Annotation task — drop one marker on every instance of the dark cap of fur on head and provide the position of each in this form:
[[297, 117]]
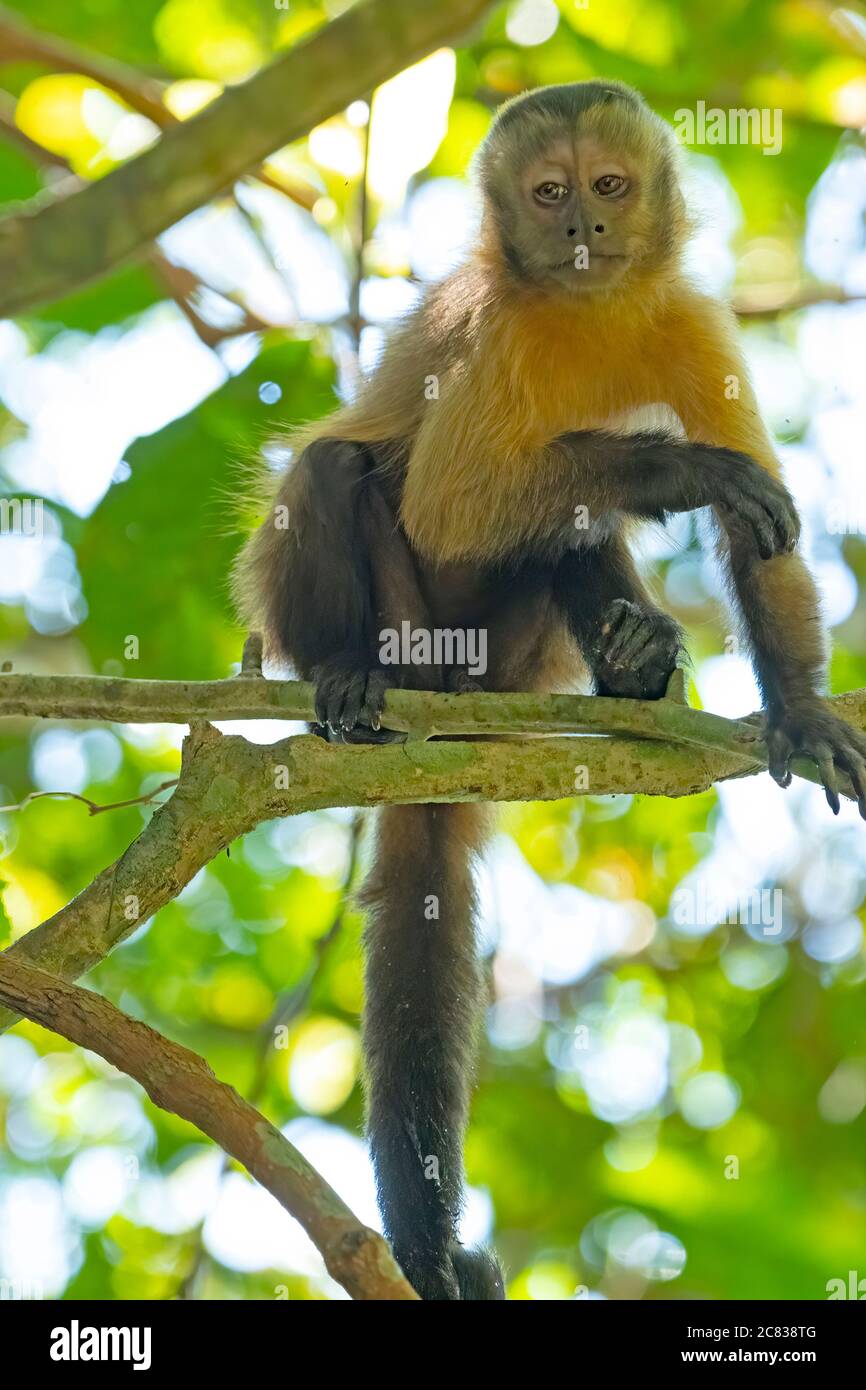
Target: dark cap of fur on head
[[525, 124], [566, 102]]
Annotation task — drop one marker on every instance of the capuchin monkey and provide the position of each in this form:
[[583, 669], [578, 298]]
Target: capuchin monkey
[[485, 479]]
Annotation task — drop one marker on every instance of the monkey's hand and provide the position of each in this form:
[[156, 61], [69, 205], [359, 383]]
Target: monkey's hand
[[635, 652], [812, 731], [350, 697], [753, 505]]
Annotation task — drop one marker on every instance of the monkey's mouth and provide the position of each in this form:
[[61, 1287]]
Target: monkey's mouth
[[597, 256]]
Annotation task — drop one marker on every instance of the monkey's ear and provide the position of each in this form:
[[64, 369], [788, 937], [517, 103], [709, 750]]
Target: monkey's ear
[[671, 183]]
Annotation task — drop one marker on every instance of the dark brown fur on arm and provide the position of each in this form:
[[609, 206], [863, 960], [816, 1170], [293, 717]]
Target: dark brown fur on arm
[[783, 627]]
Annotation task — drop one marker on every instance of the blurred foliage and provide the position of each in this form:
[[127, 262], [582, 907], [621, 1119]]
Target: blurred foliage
[[663, 1110]]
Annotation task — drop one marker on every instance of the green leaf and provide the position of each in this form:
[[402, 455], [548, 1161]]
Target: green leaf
[[156, 555]]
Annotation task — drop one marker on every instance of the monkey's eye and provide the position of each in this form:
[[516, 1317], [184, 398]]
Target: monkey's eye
[[551, 192], [609, 185]]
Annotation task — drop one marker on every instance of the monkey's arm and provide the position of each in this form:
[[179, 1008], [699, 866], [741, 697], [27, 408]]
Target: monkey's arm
[[713, 397], [477, 488]]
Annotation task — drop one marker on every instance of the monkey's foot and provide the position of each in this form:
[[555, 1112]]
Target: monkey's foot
[[349, 703], [635, 653], [812, 731]]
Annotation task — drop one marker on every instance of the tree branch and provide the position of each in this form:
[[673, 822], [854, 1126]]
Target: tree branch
[[182, 284], [21, 43], [227, 785], [418, 713], [181, 1082], [51, 247]]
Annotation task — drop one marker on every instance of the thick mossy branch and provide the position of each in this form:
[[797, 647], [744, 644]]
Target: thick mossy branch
[[181, 1082], [54, 245]]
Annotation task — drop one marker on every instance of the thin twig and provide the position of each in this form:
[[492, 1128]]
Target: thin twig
[[96, 808]]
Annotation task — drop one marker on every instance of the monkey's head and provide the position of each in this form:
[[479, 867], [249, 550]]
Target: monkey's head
[[580, 186]]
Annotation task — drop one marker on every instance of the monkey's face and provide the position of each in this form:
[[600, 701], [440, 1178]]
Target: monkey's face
[[580, 185], [574, 221]]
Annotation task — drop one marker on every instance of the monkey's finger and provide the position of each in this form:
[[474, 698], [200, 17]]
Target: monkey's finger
[[764, 503], [616, 612], [823, 755], [631, 637], [778, 505], [784, 532], [851, 760], [353, 700], [615, 615], [783, 516], [324, 702], [374, 699], [750, 514], [765, 533], [857, 772], [779, 749], [651, 646]]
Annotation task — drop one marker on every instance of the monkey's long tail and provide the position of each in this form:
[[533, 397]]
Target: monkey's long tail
[[423, 999]]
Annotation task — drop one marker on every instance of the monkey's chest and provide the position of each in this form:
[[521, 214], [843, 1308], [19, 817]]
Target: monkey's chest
[[583, 380]]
